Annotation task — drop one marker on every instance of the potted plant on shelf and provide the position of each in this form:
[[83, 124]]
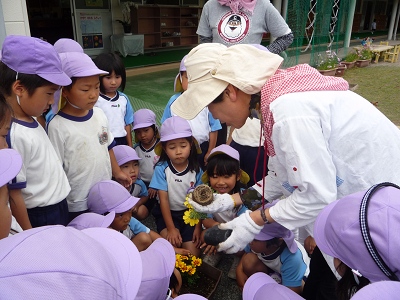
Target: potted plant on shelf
[[364, 57], [350, 60], [126, 16], [327, 66]]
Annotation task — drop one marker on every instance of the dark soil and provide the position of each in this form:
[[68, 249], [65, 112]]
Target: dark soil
[[204, 286]]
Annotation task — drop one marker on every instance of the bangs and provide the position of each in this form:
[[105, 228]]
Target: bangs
[[221, 165]]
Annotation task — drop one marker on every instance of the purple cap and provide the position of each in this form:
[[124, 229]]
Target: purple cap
[[190, 297], [124, 153], [159, 262], [92, 220], [276, 230], [178, 79], [382, 290], [337, 231], [76, 64], [143, 118], [260, 284], [108, 195], [175, 128], [67, 45], [29, 55], [57, 262], [10, 165]]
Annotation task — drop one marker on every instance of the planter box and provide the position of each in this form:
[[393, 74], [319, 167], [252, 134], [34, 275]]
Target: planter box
[[213, 274], [330, 72], [363, 63], [349, 65], [340, 70]]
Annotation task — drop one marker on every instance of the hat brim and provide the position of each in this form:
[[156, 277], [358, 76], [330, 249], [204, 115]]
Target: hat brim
[[127, 159], [11, 163], [158, 148], [60, 79], [198, 96], [124, 252], [143, 125], [126, 205], [254, 283], [178, 84], [90, 72], [83, 222], [320, 229]]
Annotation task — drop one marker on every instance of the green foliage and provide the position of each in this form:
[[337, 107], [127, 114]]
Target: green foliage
[[350, 57], [364, 54], [328, 62]]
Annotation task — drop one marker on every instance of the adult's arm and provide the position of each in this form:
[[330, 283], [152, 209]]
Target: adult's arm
[[281, 43]]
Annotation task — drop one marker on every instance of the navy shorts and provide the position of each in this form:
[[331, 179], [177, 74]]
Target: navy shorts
[[56, 214], [185, 230]]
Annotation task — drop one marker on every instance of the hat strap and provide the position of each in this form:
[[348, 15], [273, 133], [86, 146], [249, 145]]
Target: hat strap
[[365, 230]]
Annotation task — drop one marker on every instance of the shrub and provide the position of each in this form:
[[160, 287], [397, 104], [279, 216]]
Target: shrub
[[350, 57]]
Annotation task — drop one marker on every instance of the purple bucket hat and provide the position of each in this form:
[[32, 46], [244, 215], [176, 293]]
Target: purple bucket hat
[[276, 230], [49, 260], [108, 195], [382, 290], [178, 79], [159, 259], [175, 128], [190, 297], [92, 220], [260, 284], [29, 55], [76, 64], [10, 165], [143, 118], [338, 233], [124, 153], [67, 45]]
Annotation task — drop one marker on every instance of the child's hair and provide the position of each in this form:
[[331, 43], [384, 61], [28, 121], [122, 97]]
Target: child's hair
[[6, 111], [347, 286], [192, 159], [221, 165], [30, 81], [111, 62]]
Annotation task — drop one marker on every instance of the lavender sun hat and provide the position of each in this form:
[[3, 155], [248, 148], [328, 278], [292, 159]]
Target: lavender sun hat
[[346, 226], [259, 285], [190, 297], [67, 45], [108, 195], [159, 262], [124, 154], [10, 165], [29, 55], [175, 128], [143, 118], [92, 220], [77, 64], [57, 262], [178, 79], [381, 290]]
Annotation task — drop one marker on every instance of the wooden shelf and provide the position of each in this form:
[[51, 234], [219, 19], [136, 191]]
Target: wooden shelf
[[154, 21]]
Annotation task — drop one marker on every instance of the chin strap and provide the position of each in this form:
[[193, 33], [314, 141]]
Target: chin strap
[[74, 106]]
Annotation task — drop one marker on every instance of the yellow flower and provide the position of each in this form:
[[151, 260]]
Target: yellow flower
[[186, 203], [187, 218], [196, 261], [192, 271]]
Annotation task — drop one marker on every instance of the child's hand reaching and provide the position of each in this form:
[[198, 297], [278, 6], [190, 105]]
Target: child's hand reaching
[[123, 179], [181, 251], [174, 237], [197, 236], [152, 193], [208, 249]]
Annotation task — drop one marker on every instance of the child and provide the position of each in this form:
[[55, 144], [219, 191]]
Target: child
[[147, 137], [10, 165], [274, 249], [80, 133], [114, 103], [30, 74], [224, 175], [204, 126], [128, 161], [107, 196], [176, 172]]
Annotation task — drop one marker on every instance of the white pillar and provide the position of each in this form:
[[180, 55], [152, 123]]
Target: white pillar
[[284, 8], [350, 17], [392, 19], [397, 23]]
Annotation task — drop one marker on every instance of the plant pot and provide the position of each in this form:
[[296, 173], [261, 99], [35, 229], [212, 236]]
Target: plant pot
[[330, 72], [206, 284], [361, 63], [127, 29], [340, 70], [349, 64]]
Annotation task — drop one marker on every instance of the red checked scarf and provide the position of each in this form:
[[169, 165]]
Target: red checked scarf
[[235, 5], [300, 78]]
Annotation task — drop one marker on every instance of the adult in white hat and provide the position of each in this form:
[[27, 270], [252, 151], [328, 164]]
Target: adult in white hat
[[323, 141]]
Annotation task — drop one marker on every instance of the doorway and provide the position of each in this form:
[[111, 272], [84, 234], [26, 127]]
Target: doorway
[[50, 20]]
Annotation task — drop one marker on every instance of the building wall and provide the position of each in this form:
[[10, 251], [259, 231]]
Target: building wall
[[15, 18]]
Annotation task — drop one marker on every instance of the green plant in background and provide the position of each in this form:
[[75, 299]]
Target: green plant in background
[[364, 54], [328, 62], [350, 57]]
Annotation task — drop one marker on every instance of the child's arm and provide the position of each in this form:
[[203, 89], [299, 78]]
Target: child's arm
[[196, 235], [5, 214], [120, 176], [173, 234], [18, 209], [128, 129]]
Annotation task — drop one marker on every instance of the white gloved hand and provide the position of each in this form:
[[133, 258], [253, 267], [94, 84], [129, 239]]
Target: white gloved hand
[[244, 230], [221, 202]]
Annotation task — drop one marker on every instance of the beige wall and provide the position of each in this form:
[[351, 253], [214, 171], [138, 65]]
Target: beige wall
[[15, 17]]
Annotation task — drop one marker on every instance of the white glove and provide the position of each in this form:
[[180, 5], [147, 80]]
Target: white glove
[[221, 202], [244, 230]]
